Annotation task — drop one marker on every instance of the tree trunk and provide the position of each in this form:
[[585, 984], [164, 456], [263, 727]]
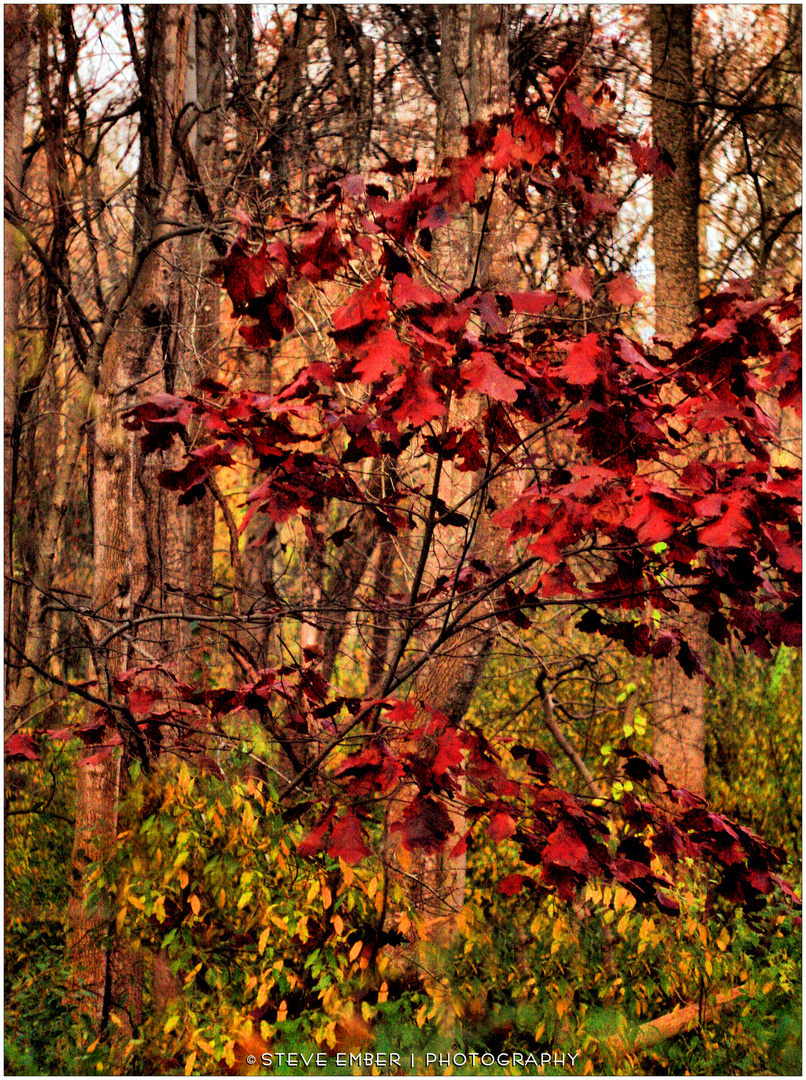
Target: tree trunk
[[474, 68], [43, 528], [352, 54], [17, 30], [679, 712], [139, 358]]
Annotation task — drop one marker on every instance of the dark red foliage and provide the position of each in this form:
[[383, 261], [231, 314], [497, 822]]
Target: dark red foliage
[[601, 529]]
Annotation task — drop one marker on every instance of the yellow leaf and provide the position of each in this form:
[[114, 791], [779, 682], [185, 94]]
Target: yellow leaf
[[191, 973], [420, 1017], [264, 937], [191, 1061], [404, 925], [372, 888], [383, 993], [171, 1023], [313, 892], [262, 995], [623, 923], [302, 928], [356, 949], [338, 924], [282, 1012], [346, 873], [327, 897], [195, 905], [703, 934], [251, 982]]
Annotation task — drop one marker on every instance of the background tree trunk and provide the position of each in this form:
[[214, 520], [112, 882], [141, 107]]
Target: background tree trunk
[[137, 548], [17, 32], [679, 702], [474, 68]]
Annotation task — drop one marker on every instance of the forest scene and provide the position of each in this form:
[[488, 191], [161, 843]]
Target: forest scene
[[402, 506]]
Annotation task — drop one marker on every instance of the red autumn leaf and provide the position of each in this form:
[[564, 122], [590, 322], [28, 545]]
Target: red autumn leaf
[[312, 843], [623, 290], [630, 355], [653, 517], [468, 452], [579, 280], [274, 317], [61, 733], [501, 826], [731, 529], [242, 275], [380, 355], [324, 252], [347, 840], [564, 847], [142, 698], [402, 712], [502, 150], [449, 753], [531, 303], [421, 402], [407, 291], [722, 331], [788, 555], [559, 582], [21, 745], [650, 162], [460, 847], [580, 111], [426, 826], [580, 365], [513, 884], [483, 374], [596, 204], [369, 304]]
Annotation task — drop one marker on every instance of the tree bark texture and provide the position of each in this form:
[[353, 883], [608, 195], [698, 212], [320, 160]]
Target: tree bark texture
[[679, 710], [675, 203], [138, 548], [17, 33]]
